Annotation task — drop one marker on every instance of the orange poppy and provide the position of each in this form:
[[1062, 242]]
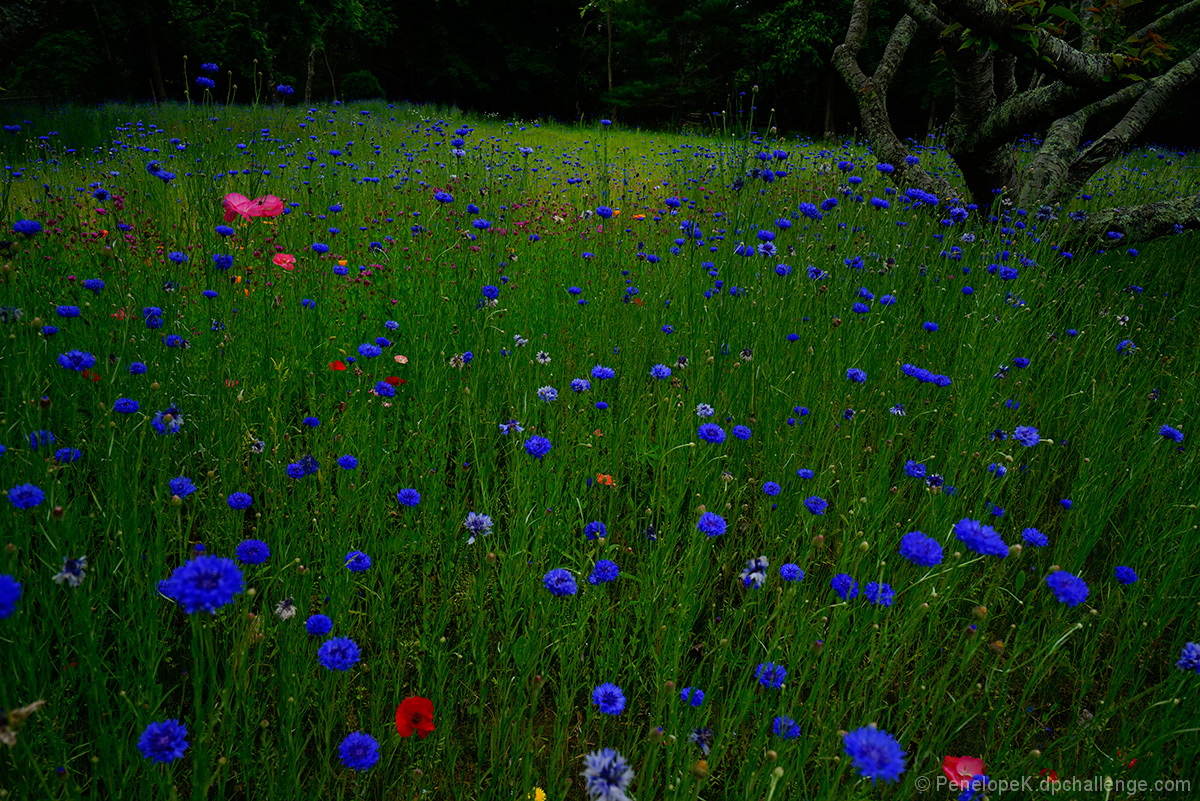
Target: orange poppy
[[606, 480]]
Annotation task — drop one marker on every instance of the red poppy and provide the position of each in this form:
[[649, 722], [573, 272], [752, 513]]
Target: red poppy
[[414, 714], [285, 260], [959, 770], [88, 374], [338, 365], [1052, 775], [395, 381]]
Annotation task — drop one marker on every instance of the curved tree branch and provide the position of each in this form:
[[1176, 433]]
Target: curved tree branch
[[1045, 175], [1167, 22], [1138, 223], [1056, 57], [872, 97], [1109, 146]]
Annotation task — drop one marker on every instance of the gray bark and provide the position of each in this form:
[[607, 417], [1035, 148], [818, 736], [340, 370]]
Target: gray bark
[[1138, 223], [871, 94]]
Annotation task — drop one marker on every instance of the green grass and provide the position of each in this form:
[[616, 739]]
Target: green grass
[[975, 656]]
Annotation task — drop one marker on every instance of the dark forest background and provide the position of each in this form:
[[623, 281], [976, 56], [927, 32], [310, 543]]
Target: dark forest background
[[652, 63]]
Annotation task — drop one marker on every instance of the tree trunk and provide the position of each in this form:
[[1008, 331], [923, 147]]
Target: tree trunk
[[829, 85], [608, 26], [312, 67], [156, 78]]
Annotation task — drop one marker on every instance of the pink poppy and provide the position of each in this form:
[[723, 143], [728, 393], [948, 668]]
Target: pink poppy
[[239, 205], [285, 260], [959, 770]]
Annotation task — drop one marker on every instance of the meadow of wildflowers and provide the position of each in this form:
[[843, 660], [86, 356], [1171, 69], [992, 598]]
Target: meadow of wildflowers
[[609, 464]]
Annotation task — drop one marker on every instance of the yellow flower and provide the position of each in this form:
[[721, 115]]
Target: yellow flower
[[537, 794]]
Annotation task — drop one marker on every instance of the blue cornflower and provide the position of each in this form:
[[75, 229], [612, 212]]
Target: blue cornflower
[[771, 488], [860, 308], [1026, 435], [358, 562], [660, 371], [580, 385], [712, 433], [548, 394], [491, 292], [240, 500], [605, 571], [913, 469], [181, 486], [205, 584], [10, 593], [606, 774], [209, 293], [163, 741], [318, 625], [1126, 575], [879, 594], [176, 257], [167, 421], [311, 422], [770, 675], [600, 372], [1189, 657], [560, 582], [790, 572], [703, 410], [1065, 503], [1171, 433], [1125, 346], [741, 432], [384, 389], [347, 462], [67, 455], [41, 439], [876, 754], [479, 526], [359, 751], [408, 497], [27, 227], [609, 698], [338, 653], [921, 550], [845, 586], [856, 375], [711, 524], [785, 727], [137, 368], [1035, 538], [537, 447], [76, 360], [25, 496], [816, 504], [1067, 588], [594, 530], [693, 696], [980, 538], [252, 552], [805, 473], [93, 284], [67, 312]]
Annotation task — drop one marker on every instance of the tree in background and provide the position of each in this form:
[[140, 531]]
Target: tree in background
[[1082, 66]]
